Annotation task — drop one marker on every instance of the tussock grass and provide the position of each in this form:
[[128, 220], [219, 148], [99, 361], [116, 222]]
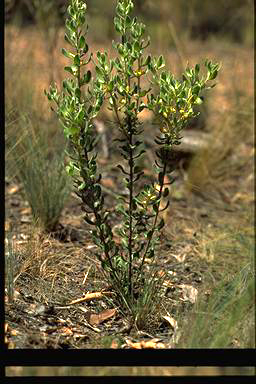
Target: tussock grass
[[224, 315], [39, 168]]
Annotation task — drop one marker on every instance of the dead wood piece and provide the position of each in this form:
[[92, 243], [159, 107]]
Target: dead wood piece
[[91, 296], [193, 142]]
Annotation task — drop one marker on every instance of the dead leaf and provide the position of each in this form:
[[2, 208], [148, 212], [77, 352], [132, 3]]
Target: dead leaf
[[6, 327], [80, 336], [16, 295], [150, 344], [61, 321], [14, 332], [114, 344], [172, 273], [108, 182], [7, 226], [161, 273], [153, 344], [243, 196], [189, 293], [183, 254], [168, 284], [173, 323], [95, 319], [87, 316], [35, 309], [134, 345], [148, 260], [25, 211], [13, 189], [25, 219], [91, 246], [66, 331]]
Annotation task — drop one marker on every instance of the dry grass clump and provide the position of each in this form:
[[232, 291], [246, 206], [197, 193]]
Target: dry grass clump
[[229, 155], [43, 264]]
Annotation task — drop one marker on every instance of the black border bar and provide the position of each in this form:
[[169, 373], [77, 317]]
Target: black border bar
[[115, 357]]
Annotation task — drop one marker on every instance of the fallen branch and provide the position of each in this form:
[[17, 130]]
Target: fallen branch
[[91, 296]]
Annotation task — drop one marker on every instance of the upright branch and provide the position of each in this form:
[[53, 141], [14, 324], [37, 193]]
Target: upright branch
[[76, 110]]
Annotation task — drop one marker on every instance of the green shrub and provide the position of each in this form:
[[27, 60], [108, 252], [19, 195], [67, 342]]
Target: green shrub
[[120, 82]]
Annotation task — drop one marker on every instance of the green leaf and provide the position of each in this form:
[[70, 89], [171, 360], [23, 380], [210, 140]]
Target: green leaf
[[155, 208], [73, 130], [68, 39], [117, 24], [111, 86], [197, 69], [73, 26], [77, 60], [213, 74], [81, 43], [128, 21], [196, 89], [99, 72], [136, 46], [150, 253], [86, 48], [136, 255], [198, 101], [160, 62], [78, 93], [147, 61], [120, 49], [88, 220], [122, 169], [69, 69], [137, 169], [165, 192], [82, 20], [143, 93], [149, 234], [160, 225], [71, 10], [70, 55], [99, 56], [87, 77], [81, 186], [66, 85]]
